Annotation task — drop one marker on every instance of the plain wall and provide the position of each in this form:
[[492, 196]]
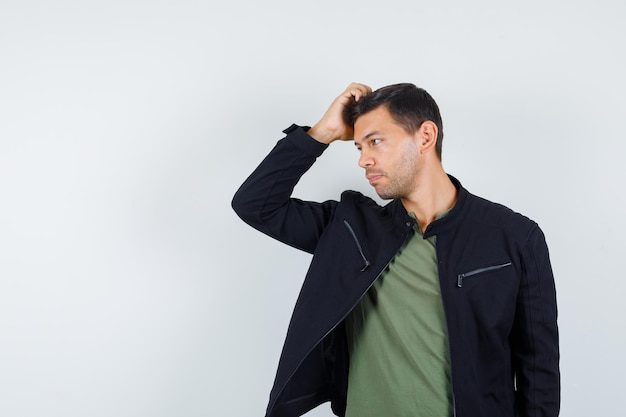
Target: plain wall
[[128, 286]]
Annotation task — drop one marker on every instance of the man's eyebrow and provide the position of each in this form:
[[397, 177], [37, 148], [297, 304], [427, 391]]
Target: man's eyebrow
[[369, 135]]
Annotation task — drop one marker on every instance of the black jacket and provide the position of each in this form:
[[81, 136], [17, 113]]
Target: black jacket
[[496, 283]]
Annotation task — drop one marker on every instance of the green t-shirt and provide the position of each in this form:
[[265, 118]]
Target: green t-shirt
[[399, 360]]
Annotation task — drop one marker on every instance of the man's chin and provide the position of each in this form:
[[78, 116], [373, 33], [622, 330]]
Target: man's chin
[[385, 195]]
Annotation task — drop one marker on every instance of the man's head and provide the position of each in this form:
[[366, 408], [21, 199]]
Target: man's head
[[397, 130], [408, 105]]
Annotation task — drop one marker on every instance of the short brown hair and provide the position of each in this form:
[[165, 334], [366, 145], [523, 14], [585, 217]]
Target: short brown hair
[[410, 106]]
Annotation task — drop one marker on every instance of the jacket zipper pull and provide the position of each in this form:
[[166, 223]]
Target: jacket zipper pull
[[459, 280], [367, 264]]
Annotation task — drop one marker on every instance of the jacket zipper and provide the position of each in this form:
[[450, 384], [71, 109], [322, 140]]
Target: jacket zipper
[[358, 245], [460, 277], [351, 307]]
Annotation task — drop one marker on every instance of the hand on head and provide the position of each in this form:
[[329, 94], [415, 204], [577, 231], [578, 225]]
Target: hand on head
[[332, 126]]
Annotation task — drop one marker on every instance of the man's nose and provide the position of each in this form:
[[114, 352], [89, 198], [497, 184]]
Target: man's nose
[[365, 160]]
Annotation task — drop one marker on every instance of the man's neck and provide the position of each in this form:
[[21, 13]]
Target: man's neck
[[434, 194]]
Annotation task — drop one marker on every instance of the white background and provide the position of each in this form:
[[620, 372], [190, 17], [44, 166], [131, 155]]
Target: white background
[[128, 287]]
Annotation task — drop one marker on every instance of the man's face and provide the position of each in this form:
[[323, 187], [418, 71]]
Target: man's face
[[389, 154]]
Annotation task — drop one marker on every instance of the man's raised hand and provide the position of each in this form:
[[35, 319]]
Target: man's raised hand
[[332, 126]]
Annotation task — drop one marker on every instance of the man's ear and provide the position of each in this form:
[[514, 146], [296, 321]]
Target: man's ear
[[426, 136]]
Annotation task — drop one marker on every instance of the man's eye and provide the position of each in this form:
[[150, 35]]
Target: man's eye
[[375, 141]]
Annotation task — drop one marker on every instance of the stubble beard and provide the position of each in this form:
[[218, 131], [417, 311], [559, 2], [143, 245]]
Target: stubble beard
[[401, 181]]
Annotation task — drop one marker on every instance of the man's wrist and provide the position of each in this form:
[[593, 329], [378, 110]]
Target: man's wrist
[[322, 135], [299, 137]]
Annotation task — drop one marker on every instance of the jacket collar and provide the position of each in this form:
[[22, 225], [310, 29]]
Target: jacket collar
[[401, 216]]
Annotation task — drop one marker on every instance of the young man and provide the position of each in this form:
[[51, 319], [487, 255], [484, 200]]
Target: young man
[[438, 304]]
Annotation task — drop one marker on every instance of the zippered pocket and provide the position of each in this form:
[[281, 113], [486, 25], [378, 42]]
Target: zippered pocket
[[461, 277], [358, 245]]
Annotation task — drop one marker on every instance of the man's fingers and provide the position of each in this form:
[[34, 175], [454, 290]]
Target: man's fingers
[[333, 125], [358, 90]]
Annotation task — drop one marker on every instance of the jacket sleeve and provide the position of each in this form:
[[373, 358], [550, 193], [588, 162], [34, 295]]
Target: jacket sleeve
[[535, 340], [264, 199]]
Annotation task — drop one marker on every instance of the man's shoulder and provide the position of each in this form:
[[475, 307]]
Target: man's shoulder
[[355, 203], [360, 201], [350, 196], [499, 215]]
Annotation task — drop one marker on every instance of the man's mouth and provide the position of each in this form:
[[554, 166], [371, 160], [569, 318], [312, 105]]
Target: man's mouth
[[372, 178]]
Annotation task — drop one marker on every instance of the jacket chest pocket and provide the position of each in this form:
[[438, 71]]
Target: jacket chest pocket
[[357, 245], [489, 294], [476, 273]]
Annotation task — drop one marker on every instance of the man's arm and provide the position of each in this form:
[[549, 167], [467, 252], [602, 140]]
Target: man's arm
[[264, 200], [535, 340]]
